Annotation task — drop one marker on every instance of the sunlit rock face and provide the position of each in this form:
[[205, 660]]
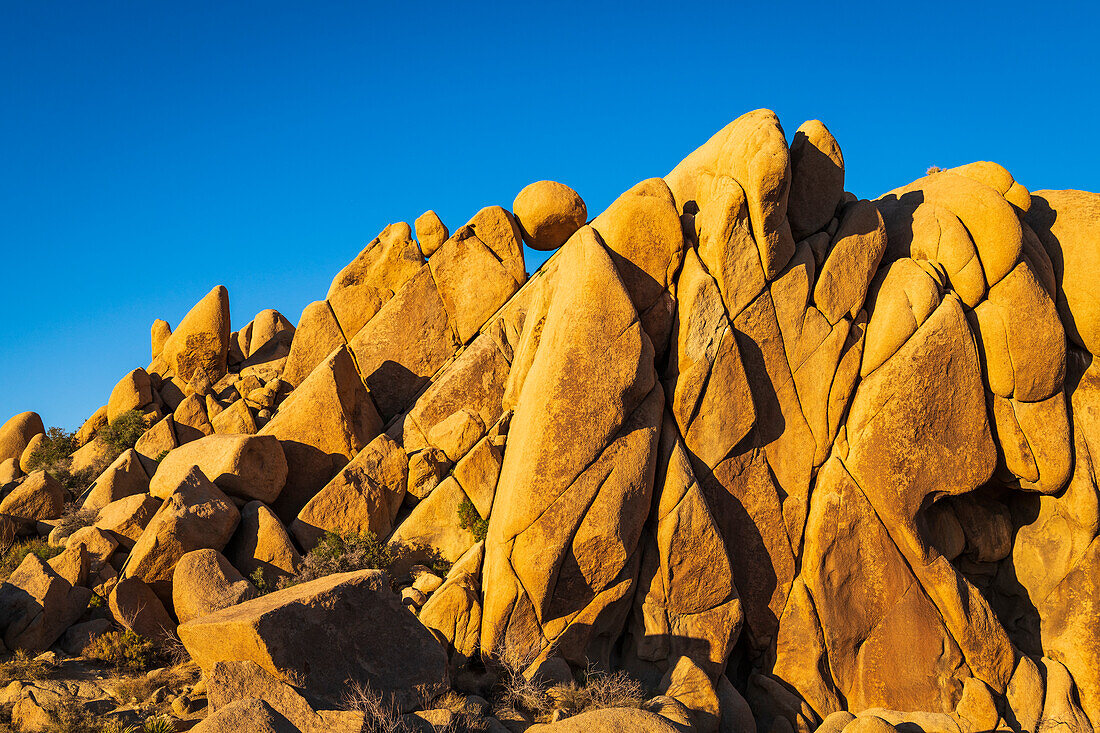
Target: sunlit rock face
[[790, 459]]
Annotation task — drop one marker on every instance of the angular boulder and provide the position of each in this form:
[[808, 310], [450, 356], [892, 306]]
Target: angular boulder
[[245, 466], [293, 632]]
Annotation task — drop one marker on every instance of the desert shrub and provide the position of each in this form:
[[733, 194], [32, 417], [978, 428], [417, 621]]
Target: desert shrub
[[124, 650], [342, 552], [159, 724], [470, 519], [57, 447], [22, 666], [123, 432], [76, 482], [74, 518], [161, 456], [933, 169], [17, 553], [539, 701]]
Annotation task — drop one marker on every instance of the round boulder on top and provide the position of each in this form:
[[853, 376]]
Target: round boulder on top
[[548, 213]]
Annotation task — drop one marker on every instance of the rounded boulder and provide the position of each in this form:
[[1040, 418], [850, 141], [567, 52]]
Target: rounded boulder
[[548, 214]]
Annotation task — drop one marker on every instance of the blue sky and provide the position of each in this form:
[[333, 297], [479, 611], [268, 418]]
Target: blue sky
[[151, 150]]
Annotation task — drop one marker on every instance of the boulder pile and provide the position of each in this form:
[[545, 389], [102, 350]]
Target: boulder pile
[[787, 459]]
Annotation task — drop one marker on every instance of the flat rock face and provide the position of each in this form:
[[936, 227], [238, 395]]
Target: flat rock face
[[315, 630], [798, 460]]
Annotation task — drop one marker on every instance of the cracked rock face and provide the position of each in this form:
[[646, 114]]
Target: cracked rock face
[[795, 460]]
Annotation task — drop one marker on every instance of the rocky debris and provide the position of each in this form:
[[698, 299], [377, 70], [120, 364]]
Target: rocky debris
[[793, 460]]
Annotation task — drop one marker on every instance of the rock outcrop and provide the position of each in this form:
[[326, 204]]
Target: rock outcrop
[[791, 459]]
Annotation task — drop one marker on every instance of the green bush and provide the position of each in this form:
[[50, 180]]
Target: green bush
[[123, 650], [14, 556], [123, 432], [58, 446], [342, 552], [470, 519]]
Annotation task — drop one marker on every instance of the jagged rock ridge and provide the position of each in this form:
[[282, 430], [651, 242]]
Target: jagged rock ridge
[[797, 460]]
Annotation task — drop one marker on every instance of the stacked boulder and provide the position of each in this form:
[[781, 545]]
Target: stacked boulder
[[794, 460]]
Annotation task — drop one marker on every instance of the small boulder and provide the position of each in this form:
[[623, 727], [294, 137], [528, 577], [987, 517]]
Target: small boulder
[[364, 496], [262, 543], [201, 341], [134, 605], [245, 466], [17, 432], [548, 213], [90, 427], [431, 232], [39, 497], [252, 715], [37, 605], [132, 392], [32, 445], [125, 477], [158, 335], [155, 443], [204, 582], [125, 519]]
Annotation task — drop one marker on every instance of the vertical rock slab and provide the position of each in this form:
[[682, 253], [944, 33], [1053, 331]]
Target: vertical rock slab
[[643, 235], [200, 344], [817, 179], [577, 476], [687, 600], [317, 335]]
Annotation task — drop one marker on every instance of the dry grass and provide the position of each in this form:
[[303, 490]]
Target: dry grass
[[380, 712], [538, 700], [23, 667], [139, 688]]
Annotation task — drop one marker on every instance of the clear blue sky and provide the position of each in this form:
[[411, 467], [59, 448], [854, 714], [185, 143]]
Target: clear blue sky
[[151, 150]]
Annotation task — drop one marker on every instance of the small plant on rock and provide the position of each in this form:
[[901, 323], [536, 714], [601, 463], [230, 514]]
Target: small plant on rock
[[470, 519], [124, 650], [58, 445], [70, 716], [380, 712], [342, 552], [17, 553], [123, 432]]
